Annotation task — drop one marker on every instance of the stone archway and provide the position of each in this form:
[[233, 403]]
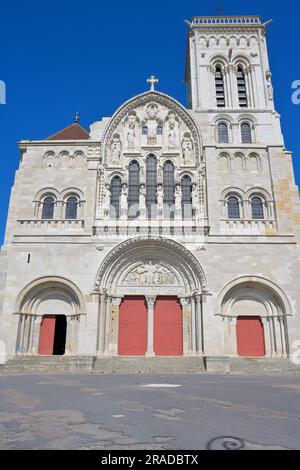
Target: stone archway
[[256, 305], [150, 268], [49, 309]]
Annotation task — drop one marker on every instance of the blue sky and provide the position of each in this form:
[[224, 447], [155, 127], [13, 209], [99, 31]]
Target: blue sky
[[61, 57]]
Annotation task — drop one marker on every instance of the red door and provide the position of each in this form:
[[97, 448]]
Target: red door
[[250, 336], [133, 327], [46, 342], [167, 327]]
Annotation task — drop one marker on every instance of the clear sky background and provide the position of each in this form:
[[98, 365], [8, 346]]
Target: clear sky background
[[64, 56]]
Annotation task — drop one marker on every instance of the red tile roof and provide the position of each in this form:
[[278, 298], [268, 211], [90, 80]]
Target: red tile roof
[[72, 132]]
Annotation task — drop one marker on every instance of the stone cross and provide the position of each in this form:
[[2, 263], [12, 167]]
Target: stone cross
[[152, 80]]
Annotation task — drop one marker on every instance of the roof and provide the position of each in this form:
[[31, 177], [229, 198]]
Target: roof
[[72, 132]]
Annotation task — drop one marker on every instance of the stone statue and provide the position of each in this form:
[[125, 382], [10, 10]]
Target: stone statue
[[173, 132], [187, 150], [160, 198], [269, 85], [142, 201], [116, 148], [106, 200], [195, 201], [131, 131], [124, 202], [178, 197]]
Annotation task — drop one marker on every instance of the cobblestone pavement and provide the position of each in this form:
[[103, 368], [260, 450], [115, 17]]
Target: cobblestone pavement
[[149, 412]]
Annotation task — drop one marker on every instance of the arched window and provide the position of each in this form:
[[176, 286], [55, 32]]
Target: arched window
[[220, 92], [48, 208], [257, 208], [71, 208], [115, 189], [151, 182], [246, 133], [233, 208], [159, 130], [169, 186], [133, 189], [241, 85], [223, 133], [145, 130], [186, 199]]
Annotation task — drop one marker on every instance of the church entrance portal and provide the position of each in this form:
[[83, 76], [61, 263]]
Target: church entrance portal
[[53, 335], [167, 329]]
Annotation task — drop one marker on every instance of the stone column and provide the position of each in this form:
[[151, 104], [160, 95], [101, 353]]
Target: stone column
[[268, 345], [186, 326], [150, 334], [271, 336], [30, 344], [199, 323], [22, 326], [101, 323], [114, 326], [107, 325], [68, 336], [193, 332]]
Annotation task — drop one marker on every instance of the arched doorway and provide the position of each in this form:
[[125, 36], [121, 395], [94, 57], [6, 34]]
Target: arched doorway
[[49, 310], [151, 307], [53, 333], [255, 313]]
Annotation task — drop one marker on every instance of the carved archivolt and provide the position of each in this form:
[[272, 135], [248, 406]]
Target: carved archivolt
[[146, 263], [149, 119]]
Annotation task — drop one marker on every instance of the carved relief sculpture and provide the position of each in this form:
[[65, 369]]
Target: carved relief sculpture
[[173, 132], [178, 196], [187, 151], [124, 202], [142, 201], [150, 275], [195, 201], [116, 147], [131, 131], [106, 200], [160, 199]]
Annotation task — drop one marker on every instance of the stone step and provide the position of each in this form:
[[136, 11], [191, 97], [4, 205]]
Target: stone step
[[248, 365], [155, 365], [32, 364]]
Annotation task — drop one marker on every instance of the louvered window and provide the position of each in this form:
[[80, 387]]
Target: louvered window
[[242, 91], [220, 92]]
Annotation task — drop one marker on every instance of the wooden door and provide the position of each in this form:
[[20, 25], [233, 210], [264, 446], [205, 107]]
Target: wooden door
[[250, 336], [132, 327], [168, 327], [47, 331]]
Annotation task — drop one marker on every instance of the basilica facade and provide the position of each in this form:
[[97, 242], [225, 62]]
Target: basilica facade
[[164, 230]]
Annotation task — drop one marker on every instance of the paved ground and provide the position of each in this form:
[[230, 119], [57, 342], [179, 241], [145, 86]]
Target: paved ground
[[124, 412]]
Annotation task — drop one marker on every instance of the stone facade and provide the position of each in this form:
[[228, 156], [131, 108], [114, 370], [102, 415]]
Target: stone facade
[[222, 266]]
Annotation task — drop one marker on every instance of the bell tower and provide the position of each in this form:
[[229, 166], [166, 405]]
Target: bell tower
[[227, 65]]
